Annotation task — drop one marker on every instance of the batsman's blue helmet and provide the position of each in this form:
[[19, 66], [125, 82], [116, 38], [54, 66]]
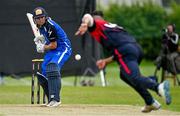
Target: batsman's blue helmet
[[39, 12]]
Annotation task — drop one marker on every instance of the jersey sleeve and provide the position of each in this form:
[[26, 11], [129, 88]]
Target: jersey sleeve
[[52, 34]]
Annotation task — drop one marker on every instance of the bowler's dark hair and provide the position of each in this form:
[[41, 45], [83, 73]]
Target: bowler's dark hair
[[98, 13]]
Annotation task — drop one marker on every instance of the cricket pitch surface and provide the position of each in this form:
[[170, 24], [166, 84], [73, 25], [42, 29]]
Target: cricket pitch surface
[[79, 110]]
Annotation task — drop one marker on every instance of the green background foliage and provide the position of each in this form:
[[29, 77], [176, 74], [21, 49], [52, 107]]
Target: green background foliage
[[145, 22], [174, 15]]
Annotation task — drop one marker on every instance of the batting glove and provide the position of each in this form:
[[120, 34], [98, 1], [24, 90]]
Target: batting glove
[[39, 39], [40, 48]]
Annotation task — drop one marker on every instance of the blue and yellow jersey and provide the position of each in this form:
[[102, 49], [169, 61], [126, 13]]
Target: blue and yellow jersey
[[53, 32]]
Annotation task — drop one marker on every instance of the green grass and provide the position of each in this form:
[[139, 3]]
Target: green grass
[[15, 91]]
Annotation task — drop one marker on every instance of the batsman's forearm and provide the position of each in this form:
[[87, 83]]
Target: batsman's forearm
[[51, 46]]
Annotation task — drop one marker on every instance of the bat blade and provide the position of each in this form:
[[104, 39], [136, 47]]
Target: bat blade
[[33, 25]]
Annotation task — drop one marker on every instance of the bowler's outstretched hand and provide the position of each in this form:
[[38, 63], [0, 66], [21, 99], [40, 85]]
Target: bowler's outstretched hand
[[82, 29], [101, 64]]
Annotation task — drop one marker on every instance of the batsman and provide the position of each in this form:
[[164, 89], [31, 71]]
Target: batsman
[[56, 46]]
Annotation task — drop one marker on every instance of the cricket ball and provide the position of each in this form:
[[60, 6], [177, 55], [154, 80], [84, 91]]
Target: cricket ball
[[78, 57]]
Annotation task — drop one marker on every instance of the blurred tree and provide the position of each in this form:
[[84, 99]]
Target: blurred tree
[[173, 16], [144, 21]]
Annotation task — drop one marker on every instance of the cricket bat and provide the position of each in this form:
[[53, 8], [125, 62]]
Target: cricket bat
[[33, 25]]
